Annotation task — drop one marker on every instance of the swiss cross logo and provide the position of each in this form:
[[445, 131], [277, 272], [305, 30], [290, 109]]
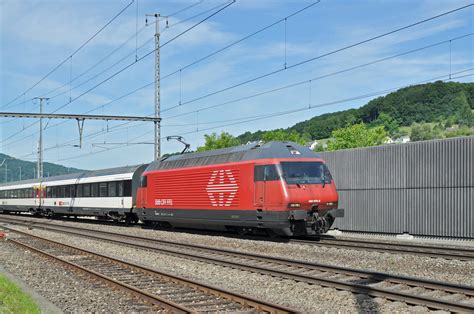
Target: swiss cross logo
[[222, 187]]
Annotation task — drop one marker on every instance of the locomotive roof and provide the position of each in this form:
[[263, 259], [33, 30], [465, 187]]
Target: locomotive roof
[[274, 149], [76, 175]]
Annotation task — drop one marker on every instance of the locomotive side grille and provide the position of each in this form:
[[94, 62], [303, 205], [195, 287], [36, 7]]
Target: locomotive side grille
[[205, 188]]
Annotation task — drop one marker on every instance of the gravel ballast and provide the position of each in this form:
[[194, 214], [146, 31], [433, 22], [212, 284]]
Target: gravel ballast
[[454, 271], [70, 291], [308, 298]]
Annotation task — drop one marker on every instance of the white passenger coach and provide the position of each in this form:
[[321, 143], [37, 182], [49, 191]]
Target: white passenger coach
[[103, 193]]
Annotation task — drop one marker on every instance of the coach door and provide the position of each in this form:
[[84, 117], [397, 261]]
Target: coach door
[[39, 194], [120, 193], [264, 179]]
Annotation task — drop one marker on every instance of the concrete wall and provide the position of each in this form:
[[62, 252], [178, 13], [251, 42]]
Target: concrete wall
[[423, 188]]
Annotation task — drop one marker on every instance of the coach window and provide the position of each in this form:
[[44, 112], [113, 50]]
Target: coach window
[[120, 188], [127, 188], [87, 190], [79, 190], [72, 189], [67, 191], [112, 189], [54, 192], [103, 189], [94, 189], [48, 192]]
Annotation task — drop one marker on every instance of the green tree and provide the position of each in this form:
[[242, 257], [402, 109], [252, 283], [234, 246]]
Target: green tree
[[463, 131], [281, 135], [319, 148], [390, 124], [357, 135], [214, 141], [423, 132], [450, 121]]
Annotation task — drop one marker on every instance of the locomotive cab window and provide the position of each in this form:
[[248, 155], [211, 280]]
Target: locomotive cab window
[[143, 181], [266, 173], [313, 172]]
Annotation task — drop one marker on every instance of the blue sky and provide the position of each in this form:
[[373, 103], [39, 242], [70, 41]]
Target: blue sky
[[37, 35]]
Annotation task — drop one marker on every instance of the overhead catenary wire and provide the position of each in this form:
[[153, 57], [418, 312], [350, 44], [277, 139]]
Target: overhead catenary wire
[[198, 60], [248, 119], [317, 57], [137, 32], [304, 108], [72, 54], [269, 115], [323, 76], [128, 66], [143, 57], [299, 63], [297, 83], [458, 9]]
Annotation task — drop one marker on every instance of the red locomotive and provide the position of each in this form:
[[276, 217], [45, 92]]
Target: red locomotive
[[279, 188]]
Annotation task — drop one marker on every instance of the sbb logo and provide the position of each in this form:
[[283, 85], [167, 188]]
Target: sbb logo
[[222, 188]]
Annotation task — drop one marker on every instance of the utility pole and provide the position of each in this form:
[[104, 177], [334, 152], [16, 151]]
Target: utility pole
[[40, 142], [20, 172], [157, 85], [6, 172]]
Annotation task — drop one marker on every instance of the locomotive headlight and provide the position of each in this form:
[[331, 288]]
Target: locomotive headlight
[[330, 203], [294, 205]]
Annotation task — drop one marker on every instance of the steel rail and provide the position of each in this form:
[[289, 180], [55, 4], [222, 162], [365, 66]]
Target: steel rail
[[353, 287], [259, 305], [458, 253], [387, 247]]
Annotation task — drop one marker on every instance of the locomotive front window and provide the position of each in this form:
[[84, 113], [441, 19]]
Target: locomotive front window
[[305, 172]]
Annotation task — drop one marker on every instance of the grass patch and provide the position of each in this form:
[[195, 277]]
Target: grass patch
[[14, 300]]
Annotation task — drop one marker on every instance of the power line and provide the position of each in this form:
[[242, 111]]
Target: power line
[[316, 58], [110, 54], [115, 50], [192, 5], [196, 61], [305, 108], [447, 77], [294, 84], [322, 76], [308, 60], [128, 66], [143, 57], [70, 56]]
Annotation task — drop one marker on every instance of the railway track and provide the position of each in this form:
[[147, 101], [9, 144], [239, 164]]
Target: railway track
[[395, 248], [416, 291], [160, 290]]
